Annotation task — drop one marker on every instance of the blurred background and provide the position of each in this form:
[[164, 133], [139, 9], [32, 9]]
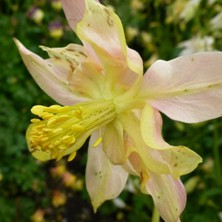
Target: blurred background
[[55, 191]]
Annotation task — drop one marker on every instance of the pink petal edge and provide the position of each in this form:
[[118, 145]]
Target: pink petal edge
[[188, 88]]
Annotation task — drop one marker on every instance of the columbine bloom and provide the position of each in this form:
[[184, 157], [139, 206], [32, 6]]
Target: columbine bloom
[[190, 10], [216, 22], [197, 44], [104, 94]]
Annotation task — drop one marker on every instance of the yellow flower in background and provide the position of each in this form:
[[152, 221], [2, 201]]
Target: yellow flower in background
[[136, 5], [58, 171], [69, 179], [1, 176], [56, 4], [58, 198], [103, 93], [38, 216]]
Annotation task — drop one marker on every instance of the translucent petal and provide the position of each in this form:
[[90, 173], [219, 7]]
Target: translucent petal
[[140, 155], [102, 29], [169, 196], [175, 160], [113, 142], [68, 57], [102, 34], [84, 76], [48, 77], [182, 159], [151, 128], [104, 181]]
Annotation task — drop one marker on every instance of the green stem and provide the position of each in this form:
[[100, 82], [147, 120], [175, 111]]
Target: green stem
[[216, 151], [156, 215]]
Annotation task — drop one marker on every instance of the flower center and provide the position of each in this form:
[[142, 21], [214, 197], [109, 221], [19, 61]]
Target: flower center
[[62, 130]]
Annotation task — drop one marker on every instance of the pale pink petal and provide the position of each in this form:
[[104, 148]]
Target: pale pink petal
[[74, 11], [169, 196], [83, 75], [96, 24], [68, 57], [102, 29], [104, 181], [48, 77], [188, 88], [181, 159]]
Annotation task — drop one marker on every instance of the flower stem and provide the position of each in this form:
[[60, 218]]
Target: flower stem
[[155, 216], [217, 161]]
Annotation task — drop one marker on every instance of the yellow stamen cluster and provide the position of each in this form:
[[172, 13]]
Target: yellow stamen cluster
[[61, 130]]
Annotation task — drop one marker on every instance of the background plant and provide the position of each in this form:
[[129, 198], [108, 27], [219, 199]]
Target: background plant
[[34, 191]]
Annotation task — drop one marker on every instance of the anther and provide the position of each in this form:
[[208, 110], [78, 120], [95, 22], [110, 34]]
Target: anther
[[72, 156], [60, 155], [53, 108], [38, 109], [68, 139], [98, 141], [34, 120]]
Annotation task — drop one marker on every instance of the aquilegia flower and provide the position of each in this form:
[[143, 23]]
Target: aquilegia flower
[[103, 93]]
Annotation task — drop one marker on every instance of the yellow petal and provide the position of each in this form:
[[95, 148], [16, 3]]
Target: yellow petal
[[102, 29], [174, 160], [182, 160], [102, 34], [113, 142], [151, 127]]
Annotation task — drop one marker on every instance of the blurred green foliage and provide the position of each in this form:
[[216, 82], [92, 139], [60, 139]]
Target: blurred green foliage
[[33, 191]]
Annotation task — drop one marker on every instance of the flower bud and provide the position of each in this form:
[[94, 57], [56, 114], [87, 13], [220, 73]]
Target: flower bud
[[55, 30], [35, 14], [56, 4]]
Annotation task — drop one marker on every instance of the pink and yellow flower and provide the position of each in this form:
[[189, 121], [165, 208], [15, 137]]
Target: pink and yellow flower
[[103, 93]]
